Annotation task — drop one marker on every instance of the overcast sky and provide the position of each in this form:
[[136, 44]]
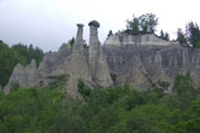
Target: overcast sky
[[49, 23]]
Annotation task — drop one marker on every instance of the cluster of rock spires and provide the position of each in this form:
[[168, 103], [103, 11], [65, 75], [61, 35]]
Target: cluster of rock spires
[[77, 62], [142, 61]]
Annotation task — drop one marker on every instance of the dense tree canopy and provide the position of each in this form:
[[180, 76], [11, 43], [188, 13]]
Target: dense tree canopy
[[10, 56], [113, 110], [191, 37], [143, 24], [164, 36], [116, 109], [193, 34], [8, 59], [181, 37]]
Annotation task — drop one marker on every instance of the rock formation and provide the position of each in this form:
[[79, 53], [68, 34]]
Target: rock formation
[[26, 76], [77, 62], [142, 61], [148, 39], [146, 65], [76, 66], [97, 59]]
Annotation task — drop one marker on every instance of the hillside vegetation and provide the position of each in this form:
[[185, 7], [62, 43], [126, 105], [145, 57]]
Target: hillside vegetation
[[116, 109], [10, 56], [113, 110]]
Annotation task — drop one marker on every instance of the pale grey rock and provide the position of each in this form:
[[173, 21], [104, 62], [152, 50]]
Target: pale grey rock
[[52, 60], [142, 61], [31, 73], [17, 75], [26, 76], [147, 39], [76, 66], [144, 65], [79, 38], [97, 60]]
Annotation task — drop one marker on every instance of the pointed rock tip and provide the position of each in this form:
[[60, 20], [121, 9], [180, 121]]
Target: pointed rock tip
[[94, 23], [19, 65]]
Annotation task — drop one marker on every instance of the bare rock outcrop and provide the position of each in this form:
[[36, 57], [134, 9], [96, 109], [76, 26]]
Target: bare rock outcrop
[[97, 59], [76, 66], [77, 62], [147, 39], [147, 65], [142, 61], [25, 76]]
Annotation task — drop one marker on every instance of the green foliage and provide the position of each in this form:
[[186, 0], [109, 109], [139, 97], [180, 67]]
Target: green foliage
[[28, 110], [113, 76], [64, 123], [164, 36], [164, 84], [85, 46], [63, 46], [97, 100], [144, 24], [193, 34], [15, 86], [184, 90], [70, 43], [1, 92], [58, 81], [183, 84], [181, 37], [110, 33], [147, 119], [133, 27], [114, 94], [9, 57], [29, 53], [116, 109], [83, 89]]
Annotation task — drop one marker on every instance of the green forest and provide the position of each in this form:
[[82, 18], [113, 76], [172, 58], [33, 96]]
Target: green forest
[[119, 109], [116, 109], [19, 53]]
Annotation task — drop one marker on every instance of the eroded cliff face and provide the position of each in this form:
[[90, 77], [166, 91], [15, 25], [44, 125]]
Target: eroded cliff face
[[147, 65], [77, 62], [147, 39], [142, 61], [26, 76]]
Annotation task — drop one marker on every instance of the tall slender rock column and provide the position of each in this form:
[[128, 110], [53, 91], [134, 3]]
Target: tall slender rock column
[[97, 61], [93, 47], [79, 37]]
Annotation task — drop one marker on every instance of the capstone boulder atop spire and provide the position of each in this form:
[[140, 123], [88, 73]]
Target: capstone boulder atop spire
[[80, 25], [94, 23]]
